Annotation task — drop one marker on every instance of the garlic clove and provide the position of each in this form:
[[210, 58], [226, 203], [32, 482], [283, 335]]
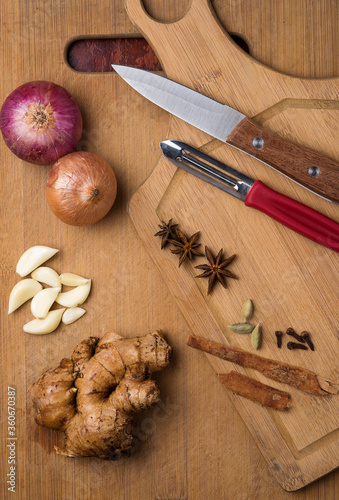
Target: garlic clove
[[47, 325], [42, 302], [74, 297], [21, 292], [33, 258], [48, 276], [72, 314], [71, 279]]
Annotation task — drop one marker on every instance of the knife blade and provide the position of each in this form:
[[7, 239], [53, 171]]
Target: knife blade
[[291, 213], [308, 168]]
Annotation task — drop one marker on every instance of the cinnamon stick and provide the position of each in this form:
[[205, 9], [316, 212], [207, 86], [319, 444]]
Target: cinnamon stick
[[256, 391], [301, 378]]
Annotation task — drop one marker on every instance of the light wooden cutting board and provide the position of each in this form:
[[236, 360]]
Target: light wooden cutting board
[[195, 446], [292, 281]]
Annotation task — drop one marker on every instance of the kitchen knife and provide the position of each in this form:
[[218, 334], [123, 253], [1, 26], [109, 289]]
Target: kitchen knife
[[306, 167], [302, 219]]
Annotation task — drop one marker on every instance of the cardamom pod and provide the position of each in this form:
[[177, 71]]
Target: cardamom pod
[[241, 327], [247, 309], [256, 337]]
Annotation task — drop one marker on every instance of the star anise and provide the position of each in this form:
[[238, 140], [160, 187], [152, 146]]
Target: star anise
[[186, 247], [168, 231], [215, 270]]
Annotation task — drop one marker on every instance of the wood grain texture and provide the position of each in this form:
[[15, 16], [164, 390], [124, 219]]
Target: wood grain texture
[[277, 268], [288, 158], [194, 445]]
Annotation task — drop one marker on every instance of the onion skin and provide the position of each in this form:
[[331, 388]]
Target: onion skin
[[40, 122], [81, 188]]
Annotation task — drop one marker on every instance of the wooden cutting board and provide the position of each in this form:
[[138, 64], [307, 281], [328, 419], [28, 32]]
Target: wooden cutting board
[[193, 445], [292, 281]]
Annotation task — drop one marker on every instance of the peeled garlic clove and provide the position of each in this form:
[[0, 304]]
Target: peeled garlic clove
[[47, 325], [33, 258], [74, 297], [70, 279], [48, 276], [21, 292], [72, 314], [42, 302]]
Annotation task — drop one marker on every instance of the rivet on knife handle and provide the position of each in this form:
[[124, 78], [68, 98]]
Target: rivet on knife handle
[[303, 165]]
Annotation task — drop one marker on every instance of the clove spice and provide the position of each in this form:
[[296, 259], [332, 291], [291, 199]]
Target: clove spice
[[307, 338], [279, 335], [291, 332], [294, 345]]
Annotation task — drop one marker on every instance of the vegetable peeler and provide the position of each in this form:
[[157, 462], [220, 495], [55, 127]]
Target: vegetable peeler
[[291, 213]]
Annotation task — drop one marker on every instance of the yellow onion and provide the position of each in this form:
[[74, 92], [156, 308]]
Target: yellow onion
[[81, 188]]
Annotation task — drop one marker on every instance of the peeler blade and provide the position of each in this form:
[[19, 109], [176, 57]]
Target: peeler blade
[[207, 168]]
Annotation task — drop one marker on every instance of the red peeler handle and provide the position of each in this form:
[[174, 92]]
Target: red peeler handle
[[302, 219]]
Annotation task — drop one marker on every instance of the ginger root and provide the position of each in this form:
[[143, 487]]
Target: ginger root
[[92, 396]]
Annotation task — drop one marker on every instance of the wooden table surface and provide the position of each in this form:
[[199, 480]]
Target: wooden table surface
[[196, 445]]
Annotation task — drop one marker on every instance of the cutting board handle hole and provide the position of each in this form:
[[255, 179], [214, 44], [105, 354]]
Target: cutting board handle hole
[[239, 40], [95, 55]]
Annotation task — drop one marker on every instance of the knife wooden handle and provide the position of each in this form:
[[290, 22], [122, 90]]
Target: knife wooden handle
[[305, 166], [295, 215]]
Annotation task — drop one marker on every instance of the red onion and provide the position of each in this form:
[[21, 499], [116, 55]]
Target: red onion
[[81, 188], [40, 122]]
